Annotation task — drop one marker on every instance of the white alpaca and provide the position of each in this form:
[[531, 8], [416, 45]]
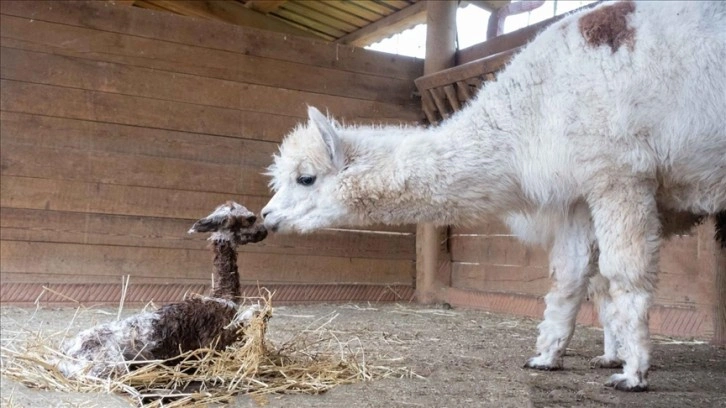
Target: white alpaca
[[605, 133]]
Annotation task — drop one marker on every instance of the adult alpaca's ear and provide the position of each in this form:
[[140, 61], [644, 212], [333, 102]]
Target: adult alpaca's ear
[[329, 135]]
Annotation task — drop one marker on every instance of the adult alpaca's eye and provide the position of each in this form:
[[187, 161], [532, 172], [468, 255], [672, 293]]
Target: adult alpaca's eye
[[306, 180]]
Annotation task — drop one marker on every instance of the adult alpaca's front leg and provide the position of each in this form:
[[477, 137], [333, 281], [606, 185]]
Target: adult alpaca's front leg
[[628, 234], [570, 266]]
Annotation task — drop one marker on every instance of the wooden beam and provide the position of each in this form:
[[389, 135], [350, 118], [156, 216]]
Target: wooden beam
[[433, 262], [227, 11], [264, 6], [387, 26]]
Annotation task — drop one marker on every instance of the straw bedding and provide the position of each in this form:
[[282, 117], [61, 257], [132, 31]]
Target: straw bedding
[[313, 361]]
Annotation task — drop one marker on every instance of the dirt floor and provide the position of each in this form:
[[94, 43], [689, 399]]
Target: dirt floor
[[465, 358]]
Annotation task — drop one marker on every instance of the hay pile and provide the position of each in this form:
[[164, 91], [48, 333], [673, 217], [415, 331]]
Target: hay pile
[[312, 362]]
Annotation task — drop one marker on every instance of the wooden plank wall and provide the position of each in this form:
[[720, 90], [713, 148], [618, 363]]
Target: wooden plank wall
[[121, 126], [494, 271]]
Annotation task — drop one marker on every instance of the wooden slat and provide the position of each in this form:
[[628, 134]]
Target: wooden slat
[[496, 250], [29, 258], [168, 27], [141, 291], [90, 278], [493, 227], [130, 170], [497, 278], [172, 58], [463, 90], [40, 99], [35, 67], [439, 97], [155, 232], [452, 97], [500, 264], [78, 196], [429, 107], [468, 70], [98, 137], [75, 196]]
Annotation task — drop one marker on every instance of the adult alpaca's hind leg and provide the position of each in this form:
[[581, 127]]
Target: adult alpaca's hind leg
[[600, 293], [571, 266], [628, 234]]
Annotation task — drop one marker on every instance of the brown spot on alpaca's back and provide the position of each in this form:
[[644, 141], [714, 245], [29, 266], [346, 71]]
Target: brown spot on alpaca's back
[[609, 25]]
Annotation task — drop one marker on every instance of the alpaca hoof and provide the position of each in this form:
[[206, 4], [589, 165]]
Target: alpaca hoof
[[622, 382], [539, 363], [606, 362]]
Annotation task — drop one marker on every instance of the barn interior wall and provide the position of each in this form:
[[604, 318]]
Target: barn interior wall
[[121, 126], [490, 269]]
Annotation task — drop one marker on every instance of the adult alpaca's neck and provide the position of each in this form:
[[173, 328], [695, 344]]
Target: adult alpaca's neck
[[451, 174], [226, 275]]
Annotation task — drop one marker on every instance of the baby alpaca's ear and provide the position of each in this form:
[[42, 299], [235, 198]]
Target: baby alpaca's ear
[[210, 223], [329, 135], [215, 221]]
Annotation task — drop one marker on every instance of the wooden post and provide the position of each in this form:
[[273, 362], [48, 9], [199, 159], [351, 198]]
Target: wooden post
[[433, 267], [712, 267], [719, 315], [719, 312]]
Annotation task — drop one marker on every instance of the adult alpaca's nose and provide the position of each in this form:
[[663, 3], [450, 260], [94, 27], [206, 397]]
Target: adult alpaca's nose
[[265, 213]]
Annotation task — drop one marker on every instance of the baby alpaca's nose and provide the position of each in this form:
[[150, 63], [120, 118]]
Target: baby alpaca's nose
[[251, 219]]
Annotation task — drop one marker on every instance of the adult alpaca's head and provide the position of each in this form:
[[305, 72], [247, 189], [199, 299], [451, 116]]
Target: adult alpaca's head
[[305, 179], [329, 175]]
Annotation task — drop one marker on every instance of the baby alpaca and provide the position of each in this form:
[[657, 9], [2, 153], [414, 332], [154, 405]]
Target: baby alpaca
[[108, 349]]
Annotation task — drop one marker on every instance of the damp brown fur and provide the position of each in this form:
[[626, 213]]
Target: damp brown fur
[[192, 324], [609, 26]]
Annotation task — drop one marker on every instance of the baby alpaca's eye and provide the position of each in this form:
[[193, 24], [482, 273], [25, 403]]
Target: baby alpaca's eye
[[306, 180]]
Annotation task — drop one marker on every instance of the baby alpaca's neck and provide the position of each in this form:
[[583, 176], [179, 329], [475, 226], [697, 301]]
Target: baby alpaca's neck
[[226, 275]]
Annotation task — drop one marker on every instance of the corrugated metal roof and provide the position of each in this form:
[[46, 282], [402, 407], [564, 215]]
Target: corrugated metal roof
[[335, 19], [356, 22]]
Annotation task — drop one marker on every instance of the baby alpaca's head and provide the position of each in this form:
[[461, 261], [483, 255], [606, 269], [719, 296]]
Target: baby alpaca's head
[[231, 222]]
